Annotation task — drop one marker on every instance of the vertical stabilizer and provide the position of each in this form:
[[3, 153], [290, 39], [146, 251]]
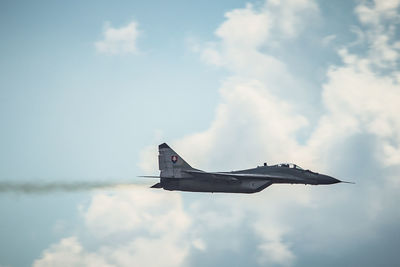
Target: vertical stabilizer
[[170, 163]]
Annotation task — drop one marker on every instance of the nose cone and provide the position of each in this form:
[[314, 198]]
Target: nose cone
[[325, 179]]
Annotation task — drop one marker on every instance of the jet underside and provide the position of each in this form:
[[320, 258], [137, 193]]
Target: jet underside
[[226, 182], [197, 184]]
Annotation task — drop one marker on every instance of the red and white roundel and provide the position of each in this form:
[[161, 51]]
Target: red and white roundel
[[174, 159]]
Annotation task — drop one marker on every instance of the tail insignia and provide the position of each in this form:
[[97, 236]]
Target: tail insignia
[[174, 159]]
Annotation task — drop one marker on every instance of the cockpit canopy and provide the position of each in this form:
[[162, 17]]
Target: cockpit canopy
[[289, 165]]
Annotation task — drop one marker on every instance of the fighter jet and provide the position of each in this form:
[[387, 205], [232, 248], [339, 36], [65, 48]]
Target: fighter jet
[[177, 175]]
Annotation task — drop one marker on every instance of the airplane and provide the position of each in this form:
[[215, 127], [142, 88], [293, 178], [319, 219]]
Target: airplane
[[177, 175]]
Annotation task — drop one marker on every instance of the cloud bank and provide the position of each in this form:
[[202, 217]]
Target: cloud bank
[[143, 228]]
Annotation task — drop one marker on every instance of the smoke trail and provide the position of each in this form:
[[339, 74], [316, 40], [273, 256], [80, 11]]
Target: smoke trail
[[51, 187]]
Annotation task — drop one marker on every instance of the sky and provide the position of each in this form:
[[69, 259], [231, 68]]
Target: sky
[[88, 90]]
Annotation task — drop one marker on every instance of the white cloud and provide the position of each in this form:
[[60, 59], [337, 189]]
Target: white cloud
[[140, 251], [119, 40], [137, 210], [138, 227], [69, 252], [248, 29], [369, 100], [248, 112], [373, 13], [251, 27], [363, 94], [380, 19]]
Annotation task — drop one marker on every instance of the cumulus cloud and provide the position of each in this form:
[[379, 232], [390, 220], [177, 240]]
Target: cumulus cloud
[[248, 113], [135, 211], [69, 252], [119, 40], [247, 33], [252, 27], [246, 30], [375, 12], [354, 91], [129, 228], [362, 94], [380, 19]]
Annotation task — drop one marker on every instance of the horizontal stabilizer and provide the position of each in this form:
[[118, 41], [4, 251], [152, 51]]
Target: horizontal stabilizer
[[149, 176], [157, 185]]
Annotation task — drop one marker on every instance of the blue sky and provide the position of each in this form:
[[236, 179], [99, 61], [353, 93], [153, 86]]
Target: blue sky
[[89, 89]]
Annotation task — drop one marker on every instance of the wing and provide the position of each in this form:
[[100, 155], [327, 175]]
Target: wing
[[210, 175], [264, 186], [236, 176]]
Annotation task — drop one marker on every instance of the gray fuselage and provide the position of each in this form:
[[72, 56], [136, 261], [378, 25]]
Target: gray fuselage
[[245, 181]]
